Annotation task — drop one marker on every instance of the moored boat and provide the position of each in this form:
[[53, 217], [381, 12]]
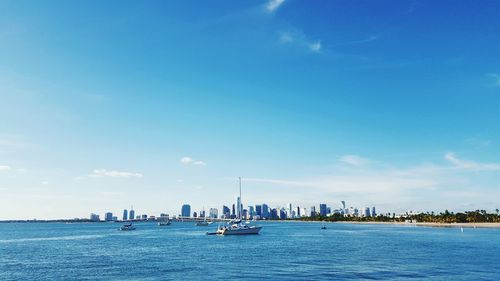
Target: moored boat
[[164, 223], [127, 227]]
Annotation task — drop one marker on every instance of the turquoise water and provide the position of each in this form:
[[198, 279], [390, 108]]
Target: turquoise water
[[283, 251]]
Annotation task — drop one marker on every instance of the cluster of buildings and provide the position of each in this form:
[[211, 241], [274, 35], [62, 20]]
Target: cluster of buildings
[[127, 215], [265, 212], [255, 212]]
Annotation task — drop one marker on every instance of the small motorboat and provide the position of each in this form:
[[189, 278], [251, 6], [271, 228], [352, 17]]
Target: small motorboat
[[164, 223], [202, 223], [323, 227], [127, 227]]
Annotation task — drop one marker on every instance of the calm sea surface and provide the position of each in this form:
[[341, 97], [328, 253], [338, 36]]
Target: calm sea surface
[[283, 251]]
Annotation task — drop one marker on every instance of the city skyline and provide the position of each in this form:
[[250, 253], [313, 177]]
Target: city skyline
[[161, 103]]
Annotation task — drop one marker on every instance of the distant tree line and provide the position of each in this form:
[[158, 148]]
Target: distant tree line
[[443, 217]]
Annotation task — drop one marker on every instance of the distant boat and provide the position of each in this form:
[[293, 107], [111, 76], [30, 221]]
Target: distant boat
[[323, 227], [202, 223], [164, 223], [127, 227]]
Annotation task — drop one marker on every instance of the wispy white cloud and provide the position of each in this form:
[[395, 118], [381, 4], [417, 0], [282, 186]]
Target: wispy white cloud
[[115, 174], [471, 165], [478, 142], [354, 160], [298, 38], [360, 41], [387, 183], [286, 37], [273, 5], [4, 168], [190, 161], [496, 78], [315, 46]]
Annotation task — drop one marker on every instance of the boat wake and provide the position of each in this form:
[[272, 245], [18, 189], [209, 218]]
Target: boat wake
[[39, 239]]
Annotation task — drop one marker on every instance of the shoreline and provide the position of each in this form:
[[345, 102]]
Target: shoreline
[[424, 224]]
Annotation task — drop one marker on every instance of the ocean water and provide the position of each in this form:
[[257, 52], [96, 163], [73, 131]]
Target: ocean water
[[283, 251]]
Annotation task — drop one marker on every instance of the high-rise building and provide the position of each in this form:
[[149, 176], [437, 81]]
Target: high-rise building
[[282, 214], [94, 217], [233, 214], [374, 214], [322, 210], [186, 210], [343, 207], [290, 210], [273, 214], [298, 211], [258, 210], [108, 216], [125, 215], [265, 211], [313, 211], [226, 212], [251, 212], [214, 213], [365, 212], [131, 214], [239, 207]]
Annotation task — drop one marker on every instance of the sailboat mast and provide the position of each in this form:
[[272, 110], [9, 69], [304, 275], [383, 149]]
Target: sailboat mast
[[241, 203]]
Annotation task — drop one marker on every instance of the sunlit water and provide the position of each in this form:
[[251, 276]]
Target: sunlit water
[[283, 251]]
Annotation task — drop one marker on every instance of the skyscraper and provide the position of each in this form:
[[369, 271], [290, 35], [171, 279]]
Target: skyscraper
[[214, 213], [322, 210], [239, 207], [125, 215], [374, 214], [108, 216], [186, 210], [94, 217], [298, 211], [265, 211], [226, 212], [282, 214], [258, 210], [131, 214], [233, 214], [274, 214], [343, 207], [313, 211]]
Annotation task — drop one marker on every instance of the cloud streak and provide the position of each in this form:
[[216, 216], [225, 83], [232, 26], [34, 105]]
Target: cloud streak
[[99, 173], [354, 160], [273, 5], [470, 165], [190, 161], [4, 168], [496, 78], [300, 40]]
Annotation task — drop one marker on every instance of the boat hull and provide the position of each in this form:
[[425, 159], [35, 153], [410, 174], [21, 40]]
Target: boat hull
[[244, 231]]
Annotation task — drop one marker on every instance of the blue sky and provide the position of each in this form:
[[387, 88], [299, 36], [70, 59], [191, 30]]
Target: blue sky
[[388, 103]]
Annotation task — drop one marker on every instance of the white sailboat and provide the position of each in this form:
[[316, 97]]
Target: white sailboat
[[237, 227]]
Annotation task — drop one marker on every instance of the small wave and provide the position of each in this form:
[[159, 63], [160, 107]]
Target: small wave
[[38, 239]]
